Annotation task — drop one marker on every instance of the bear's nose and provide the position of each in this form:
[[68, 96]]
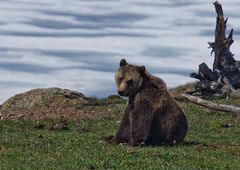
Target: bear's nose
[[120, 93]]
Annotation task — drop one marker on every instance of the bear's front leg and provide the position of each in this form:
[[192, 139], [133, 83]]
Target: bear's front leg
[[123, 132], [142, 117]]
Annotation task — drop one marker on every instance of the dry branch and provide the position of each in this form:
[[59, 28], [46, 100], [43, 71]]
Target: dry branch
[[211, 105]]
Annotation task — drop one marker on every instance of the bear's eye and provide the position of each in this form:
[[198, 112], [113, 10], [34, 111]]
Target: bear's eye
[[120, 79], [130, 82]]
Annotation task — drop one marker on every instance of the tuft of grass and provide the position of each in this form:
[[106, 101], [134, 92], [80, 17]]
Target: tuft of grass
[[208, 145]]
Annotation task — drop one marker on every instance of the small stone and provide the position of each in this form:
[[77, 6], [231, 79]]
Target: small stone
[[226, 125]]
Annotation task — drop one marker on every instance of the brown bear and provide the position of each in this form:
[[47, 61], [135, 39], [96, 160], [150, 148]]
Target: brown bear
[[151, 117]]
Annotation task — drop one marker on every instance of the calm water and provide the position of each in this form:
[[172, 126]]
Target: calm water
[[77, 44]]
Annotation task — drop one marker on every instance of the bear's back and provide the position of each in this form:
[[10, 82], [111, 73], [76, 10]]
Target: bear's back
[[170, 123]]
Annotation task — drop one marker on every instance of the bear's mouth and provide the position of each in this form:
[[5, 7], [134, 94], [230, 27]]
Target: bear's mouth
[[122, 93]]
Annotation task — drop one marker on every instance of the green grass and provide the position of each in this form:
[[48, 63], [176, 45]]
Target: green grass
[[207, 145]]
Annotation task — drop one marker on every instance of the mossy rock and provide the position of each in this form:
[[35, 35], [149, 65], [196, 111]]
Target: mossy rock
[[47, 103]]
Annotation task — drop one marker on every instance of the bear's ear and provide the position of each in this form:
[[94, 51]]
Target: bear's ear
[[123, 62], [141, 69]]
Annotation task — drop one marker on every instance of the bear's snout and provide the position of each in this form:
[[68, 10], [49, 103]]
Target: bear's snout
[[121, 93]]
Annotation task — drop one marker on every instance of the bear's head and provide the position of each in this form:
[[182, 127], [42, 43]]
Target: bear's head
[[129, 78]]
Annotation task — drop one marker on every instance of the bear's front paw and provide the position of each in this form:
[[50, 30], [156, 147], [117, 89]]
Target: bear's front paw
[[142, 144], [139, 143], [109, 139]]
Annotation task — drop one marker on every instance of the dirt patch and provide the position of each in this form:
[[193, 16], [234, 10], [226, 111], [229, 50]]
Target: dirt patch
[[49, 103]]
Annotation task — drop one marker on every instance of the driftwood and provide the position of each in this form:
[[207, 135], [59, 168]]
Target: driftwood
[[211, 105], [224, 77]]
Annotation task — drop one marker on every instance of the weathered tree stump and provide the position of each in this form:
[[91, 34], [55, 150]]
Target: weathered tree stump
[[224, 77]]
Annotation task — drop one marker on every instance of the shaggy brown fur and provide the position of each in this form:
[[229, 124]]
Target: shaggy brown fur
[[151, 117]]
